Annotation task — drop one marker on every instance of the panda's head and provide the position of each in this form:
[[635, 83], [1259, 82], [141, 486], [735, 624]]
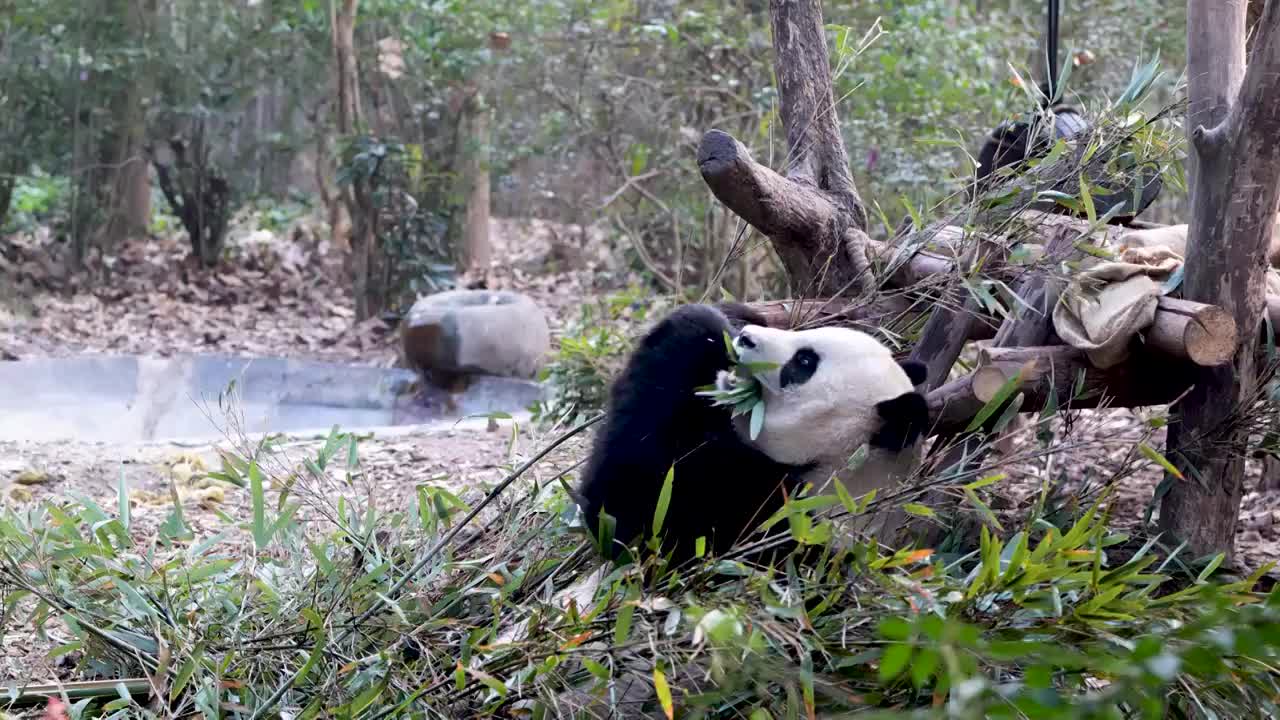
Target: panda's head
[[830, 390]]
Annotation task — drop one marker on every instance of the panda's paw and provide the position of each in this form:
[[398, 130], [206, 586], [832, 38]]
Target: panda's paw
[[726, 380]]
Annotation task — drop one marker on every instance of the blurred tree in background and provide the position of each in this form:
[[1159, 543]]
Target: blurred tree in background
[[591, 111]]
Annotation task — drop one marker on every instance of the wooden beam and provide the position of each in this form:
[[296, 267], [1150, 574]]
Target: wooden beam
[[1060, 372]]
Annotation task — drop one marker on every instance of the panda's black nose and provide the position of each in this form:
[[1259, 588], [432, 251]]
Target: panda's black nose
[[745, 341]]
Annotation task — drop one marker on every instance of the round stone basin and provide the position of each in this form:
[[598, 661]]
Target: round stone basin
[[115, 398]]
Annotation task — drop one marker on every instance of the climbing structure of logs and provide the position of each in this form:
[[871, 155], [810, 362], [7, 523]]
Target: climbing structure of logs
[[816, 221], [1156, 373]]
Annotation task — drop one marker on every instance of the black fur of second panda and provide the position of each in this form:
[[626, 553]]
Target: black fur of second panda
[[723, 487], [1011, 143]]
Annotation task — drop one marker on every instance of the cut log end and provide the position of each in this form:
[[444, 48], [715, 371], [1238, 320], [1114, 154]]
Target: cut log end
[[987, 382], [1211, 337], [719, 152], [1203, 334], [992, 375]]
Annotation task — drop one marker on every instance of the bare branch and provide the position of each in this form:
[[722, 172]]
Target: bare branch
[[807, 103]]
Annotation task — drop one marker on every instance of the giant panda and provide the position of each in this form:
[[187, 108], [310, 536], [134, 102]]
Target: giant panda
[[834, 390], [1012, 143], [827, 392]]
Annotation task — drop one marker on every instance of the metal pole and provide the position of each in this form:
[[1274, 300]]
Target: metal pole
[[1051, 48]]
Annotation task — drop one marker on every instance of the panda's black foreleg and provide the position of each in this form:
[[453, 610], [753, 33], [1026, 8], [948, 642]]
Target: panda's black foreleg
[[740, 315], [722, 486], [654, 419]]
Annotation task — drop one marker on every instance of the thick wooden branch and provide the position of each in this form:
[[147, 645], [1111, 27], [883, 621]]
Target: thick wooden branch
[[807, 103], [814, 216], [799, 314], [1203, 334], [789, 314], [912, 270], [772, 204], [1261, 77], [953, 406], [1057, 371], [820, 244], [945, 335]]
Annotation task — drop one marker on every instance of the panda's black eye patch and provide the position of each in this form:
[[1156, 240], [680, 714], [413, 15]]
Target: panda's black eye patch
[[802, 365]]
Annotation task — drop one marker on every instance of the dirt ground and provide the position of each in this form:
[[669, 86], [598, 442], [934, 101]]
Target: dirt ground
[[286, 298], [282, 299]]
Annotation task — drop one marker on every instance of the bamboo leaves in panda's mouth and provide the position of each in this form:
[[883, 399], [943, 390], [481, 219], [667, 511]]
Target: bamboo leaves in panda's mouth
[[743, 393]]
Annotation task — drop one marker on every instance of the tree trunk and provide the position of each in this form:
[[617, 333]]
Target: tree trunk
[[476, 251], [1234, 169], [357, 197], [344, 63], [1253, 14], [9, 169], [131, 187], [129, 199], [813, 214]]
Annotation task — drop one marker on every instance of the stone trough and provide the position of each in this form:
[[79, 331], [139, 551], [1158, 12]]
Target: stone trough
[[147, 399]]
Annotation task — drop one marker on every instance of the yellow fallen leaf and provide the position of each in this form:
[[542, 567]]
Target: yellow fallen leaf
[[32, 477], [21, 493], [148, 498], [210, 497], [919, 555], [664, 694]]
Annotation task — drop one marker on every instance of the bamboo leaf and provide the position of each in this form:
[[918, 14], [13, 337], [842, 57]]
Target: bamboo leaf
[[894, 661], [1160, 460], [261, 533], [1086, 199], [757, 419], [664, 500], [1211, 567], [122, 500], [920, 510], [622, 628], [664, 693]]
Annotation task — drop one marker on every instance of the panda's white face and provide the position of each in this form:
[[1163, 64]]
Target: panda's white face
[[823, 395]]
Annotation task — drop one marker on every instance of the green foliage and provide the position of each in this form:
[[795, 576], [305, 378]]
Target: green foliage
[[276, 215], [412, 254], [921, 97], [596, 106], [744, 393], [387, 612], [37, 199], [590, 352]]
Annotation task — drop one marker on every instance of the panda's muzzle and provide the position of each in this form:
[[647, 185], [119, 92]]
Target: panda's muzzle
[[750, 350]]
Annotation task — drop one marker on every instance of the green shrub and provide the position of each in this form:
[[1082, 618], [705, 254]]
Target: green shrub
[[590, 352], [37, 199]]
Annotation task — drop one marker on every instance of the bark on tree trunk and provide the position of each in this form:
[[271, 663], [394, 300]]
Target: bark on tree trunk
[[130, 195], [813, 215], [1234, 169], [1253, 14], [9, 170], [344, 59], [356, 196], [475, 149]]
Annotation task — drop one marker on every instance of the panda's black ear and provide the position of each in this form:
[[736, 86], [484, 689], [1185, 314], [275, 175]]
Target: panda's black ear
[[916, 370], [904, 420]]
